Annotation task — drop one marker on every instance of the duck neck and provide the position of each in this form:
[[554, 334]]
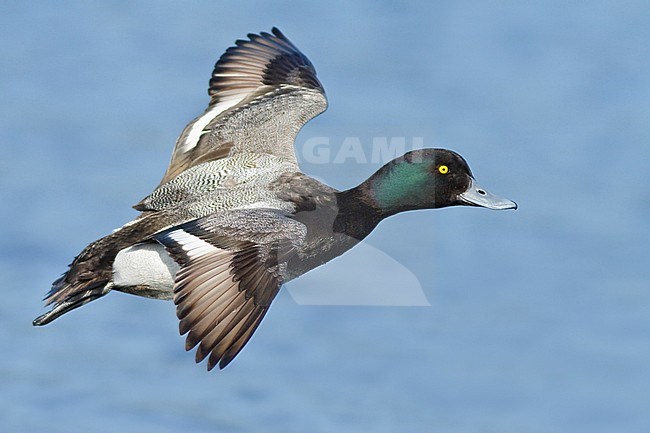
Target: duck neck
[[396, 187], [357, 214]]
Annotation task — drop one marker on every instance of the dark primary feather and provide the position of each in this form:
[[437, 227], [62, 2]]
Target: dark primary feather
[[264, 59]]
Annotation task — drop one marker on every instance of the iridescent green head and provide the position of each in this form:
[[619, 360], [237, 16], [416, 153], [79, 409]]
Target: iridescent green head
[[429, 178]]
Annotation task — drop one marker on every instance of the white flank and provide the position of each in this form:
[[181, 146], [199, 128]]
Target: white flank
[[145, 265]]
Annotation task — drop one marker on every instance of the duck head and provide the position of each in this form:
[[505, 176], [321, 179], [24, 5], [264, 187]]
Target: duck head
[[426, 179]]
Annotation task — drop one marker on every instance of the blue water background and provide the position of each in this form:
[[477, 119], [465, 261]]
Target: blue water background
[[540, 318]]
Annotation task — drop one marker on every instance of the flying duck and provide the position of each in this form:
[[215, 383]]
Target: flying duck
[[233, 217]]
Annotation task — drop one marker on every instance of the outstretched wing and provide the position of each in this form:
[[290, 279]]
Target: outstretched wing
[[263, 90], [232, 266]]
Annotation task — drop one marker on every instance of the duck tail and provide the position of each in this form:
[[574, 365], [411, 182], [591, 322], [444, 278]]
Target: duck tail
[[91, 272], [86, 280], [89, 275], [71, 296]]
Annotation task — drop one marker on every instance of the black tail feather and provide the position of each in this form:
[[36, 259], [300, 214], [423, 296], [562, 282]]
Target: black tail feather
[[85, 281], [74, 299]]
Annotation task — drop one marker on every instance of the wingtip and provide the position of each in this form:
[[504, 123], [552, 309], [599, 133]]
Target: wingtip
[[266, 35], [276, 31], [223, 363]]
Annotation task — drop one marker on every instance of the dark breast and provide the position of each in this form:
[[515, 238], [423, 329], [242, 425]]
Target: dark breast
[[335, 221]]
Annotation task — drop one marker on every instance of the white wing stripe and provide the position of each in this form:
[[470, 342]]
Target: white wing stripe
[[192, 245], [196, 130]]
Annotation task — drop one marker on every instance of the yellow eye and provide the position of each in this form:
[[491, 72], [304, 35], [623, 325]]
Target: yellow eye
[[443, 169]]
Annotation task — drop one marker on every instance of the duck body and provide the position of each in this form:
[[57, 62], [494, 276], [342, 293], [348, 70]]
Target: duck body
[[234, 218], [299, 201]]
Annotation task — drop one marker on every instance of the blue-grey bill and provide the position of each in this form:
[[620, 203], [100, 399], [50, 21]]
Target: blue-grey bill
[[477, 196]]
